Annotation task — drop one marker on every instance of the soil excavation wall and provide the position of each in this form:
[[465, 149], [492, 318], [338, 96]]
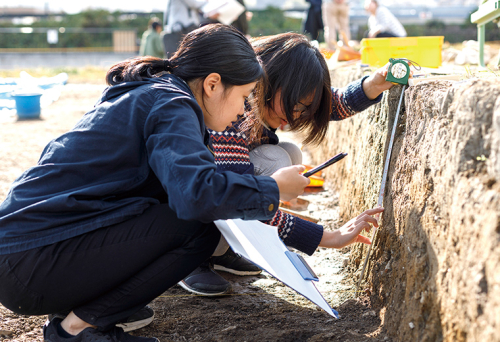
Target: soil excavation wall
[[434, 270]]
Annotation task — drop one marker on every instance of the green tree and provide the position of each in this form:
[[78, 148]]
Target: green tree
[[271, 21]]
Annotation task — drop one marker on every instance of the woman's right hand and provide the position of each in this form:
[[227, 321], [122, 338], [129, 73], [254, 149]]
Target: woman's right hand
[[291, 182], [350, 232]]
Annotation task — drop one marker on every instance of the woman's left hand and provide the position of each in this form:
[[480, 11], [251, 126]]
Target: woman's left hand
[[375, 84], [350, 232]]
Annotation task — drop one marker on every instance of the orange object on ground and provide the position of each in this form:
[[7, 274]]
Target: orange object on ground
[[327, 52], [298, 204], [347, 54], [310, 167], [316, 180]]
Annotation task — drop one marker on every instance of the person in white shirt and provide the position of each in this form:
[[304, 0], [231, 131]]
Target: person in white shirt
[[180, 18], [382, 23], [183, 14]]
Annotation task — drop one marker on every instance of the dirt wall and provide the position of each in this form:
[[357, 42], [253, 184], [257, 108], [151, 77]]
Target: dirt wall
[[433, 272]]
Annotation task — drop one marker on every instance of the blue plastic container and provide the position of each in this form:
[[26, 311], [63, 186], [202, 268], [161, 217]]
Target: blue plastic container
[[27, 105]]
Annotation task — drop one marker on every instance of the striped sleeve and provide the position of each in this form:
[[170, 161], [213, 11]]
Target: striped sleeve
[[296, 232], [350, 100], [231, 153]]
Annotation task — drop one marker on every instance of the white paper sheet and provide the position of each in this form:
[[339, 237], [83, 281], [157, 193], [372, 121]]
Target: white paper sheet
[[228, 10], [261, 244]]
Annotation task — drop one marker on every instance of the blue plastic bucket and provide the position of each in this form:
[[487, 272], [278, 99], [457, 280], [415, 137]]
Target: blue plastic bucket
[[27, 105]]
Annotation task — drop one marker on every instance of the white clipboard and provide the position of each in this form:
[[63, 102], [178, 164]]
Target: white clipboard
[[228, 10], [261, 244]]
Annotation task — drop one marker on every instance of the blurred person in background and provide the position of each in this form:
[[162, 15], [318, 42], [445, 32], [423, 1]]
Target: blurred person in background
[[336, 17], [382, 23], [151, 44], [314, 22], [180, 18], [242, 22]]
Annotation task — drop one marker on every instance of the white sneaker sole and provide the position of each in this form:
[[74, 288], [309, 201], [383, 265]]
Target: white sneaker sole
[[135, 325], [190, 289], [240, 273]]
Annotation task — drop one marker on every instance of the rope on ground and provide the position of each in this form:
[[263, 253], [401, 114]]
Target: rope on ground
[[247, 294]]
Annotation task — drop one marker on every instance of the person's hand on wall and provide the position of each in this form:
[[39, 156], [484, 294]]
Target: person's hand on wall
[[291, 182], [350, 232], [374, 85]]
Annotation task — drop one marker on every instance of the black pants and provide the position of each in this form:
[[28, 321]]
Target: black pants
[[314, 22], [108, 274], [381, 35]]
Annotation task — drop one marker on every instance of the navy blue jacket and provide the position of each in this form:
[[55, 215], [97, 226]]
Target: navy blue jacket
[[144, 143]]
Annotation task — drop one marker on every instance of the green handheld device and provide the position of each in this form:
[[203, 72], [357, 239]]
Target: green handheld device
[[398, 72]]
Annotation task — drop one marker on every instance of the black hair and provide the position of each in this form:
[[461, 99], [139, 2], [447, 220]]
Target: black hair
[[297, 69], [155, 25], [154, 22], [214, 48]]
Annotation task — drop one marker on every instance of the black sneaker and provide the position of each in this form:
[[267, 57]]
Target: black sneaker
[[50, 334], [235, 264], [206, 282], [138, 320]]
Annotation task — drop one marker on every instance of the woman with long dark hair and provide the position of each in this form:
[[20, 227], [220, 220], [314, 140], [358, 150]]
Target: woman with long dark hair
[[298, 94], [120, 208]]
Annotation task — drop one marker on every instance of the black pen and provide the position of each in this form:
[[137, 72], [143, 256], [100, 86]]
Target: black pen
[[325, 164]]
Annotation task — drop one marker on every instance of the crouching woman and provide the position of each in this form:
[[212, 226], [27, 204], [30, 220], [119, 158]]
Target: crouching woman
[[120, 208]]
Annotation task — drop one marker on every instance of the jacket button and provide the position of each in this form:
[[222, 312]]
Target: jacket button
[[271, 207]]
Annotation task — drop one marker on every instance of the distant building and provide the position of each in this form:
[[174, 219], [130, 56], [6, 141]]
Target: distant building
[[21, 10], [408, 4], [428, 3], [419, 14], [23, 15]]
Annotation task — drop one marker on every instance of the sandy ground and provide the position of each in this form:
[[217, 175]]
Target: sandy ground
[[260, 309]]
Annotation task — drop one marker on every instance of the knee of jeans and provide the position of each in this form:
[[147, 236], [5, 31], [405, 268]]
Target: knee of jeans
[[17, 297], [293, 151], [267, 159]]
